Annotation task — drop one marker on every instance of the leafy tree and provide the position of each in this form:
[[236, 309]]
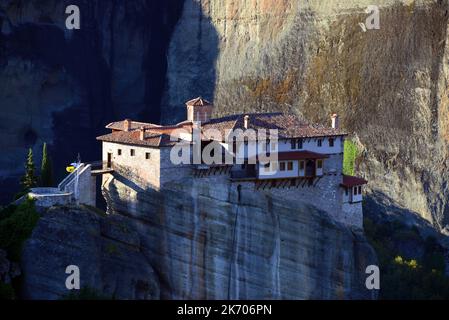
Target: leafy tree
[[46, 169], [29, 180]]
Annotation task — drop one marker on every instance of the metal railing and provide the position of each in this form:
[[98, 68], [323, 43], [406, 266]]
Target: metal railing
[[70, 177]]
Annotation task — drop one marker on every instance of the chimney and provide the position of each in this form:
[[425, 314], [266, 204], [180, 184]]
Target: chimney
[[246, 121], [127, 125], [142, 133], [335, 122]]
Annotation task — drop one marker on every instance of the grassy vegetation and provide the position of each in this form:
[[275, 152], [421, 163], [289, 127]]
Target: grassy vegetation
[[350, 154], [420, 277]]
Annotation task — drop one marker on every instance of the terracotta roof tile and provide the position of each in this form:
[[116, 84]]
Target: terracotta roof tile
[[120, 125], [299, 155], [200, 101], [133, 137], [288, 126], [350, 181]]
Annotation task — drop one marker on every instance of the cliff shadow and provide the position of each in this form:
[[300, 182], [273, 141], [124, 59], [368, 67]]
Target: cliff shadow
[[77, 81], [192, 57]]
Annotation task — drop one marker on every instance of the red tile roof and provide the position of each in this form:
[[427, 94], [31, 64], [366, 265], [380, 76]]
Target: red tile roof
[[198, 102], [351, 181], [133, 137], [120, 125], [288, 126], [299, 155]]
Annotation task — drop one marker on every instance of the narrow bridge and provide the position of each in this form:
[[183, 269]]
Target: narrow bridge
[[100, 167]]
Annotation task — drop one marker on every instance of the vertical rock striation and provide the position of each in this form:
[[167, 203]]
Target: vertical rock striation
[[207, 242]]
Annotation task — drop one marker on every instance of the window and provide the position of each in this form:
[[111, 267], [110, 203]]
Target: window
[[331, 142], [282, 166], [301, 165], [299, 143], [119, 152], [132, 152], [355, 190], [346, 191], [360, 189], [319, 164], [319, 142], [290, 166], [293, 144], [147, 155]]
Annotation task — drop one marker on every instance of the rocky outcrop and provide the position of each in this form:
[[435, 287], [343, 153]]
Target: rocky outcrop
[[312, 57], [107, 251], [209, 239], [199, 239]]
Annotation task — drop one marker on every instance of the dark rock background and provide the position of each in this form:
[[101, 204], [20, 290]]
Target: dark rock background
[[62, 86]]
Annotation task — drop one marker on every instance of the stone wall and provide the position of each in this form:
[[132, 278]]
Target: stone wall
[[48, 197], [144, 171], [158, 171]]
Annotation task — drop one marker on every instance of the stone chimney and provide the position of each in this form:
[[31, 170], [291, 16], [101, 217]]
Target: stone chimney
[[199, 109], [335, 121], [127, 125], [246, 121], [142, 133]]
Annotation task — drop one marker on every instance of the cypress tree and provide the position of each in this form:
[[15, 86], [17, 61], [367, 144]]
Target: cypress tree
[[46, 168], [29, 180]]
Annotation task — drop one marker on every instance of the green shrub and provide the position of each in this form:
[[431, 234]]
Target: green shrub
[[350, 154], [7, 211], [6, 291], [422, 277], [16, 226]]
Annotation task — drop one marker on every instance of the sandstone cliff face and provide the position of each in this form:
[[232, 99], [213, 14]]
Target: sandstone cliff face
[[205, 240], [312, 57]]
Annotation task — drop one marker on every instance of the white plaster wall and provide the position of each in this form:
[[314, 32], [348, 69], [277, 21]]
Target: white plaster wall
[[144, 170], [271, 174], [310, 144]]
